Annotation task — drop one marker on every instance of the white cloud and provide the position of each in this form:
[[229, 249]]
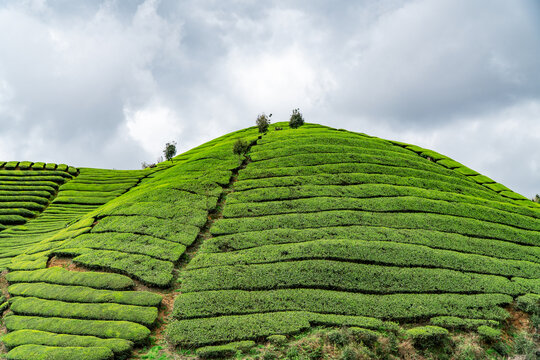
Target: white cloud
[[152, 126]]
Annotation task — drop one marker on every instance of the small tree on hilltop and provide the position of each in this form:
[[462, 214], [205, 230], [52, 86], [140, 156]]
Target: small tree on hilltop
[[170, 150], [263, 122], [296, 120], [536, 198], [240, 147]]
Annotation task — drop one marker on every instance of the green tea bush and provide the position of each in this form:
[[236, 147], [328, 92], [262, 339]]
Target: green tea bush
[[145, 268], [380, 252], [382, 204], [488, 333], [366, 336], [36, 337], [100, 328], [277, 340], [223, 351], [529, 303], [98, 311], [166, 229], [407, 220], [205, 331], [453, 322], [337, 275], [428, 336], [129, 243], [337, 305], [11, 165], [40, 352], [84, 294], [57, 275]]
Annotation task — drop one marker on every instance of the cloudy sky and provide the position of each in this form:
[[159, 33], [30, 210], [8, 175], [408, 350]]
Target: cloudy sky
[[106, 84]]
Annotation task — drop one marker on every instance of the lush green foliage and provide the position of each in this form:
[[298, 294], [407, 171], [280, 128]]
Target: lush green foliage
[[529, 303], [100, 328], [61, 276], [145, 268], [453, 322], [377, 252], [395, 306], [427, 336], [84, 294], [36, 337], [224, 351], [40, 352], [338, 275], [488, 333], [99, 311]]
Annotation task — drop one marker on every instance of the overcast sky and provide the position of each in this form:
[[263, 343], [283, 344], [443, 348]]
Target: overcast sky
[[106, 84]]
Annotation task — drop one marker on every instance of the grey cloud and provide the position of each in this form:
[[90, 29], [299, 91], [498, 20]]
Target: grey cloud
[[75, 75]]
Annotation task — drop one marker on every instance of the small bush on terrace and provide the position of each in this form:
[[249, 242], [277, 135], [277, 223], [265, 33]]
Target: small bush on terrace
[[427, 336], [263, 122], [240, 147], [297, 119]]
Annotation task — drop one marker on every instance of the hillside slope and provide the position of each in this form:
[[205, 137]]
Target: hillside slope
[[315, 226], [331, 227]]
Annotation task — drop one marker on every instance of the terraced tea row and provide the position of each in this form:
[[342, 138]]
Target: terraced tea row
[[28, 165], [74, 200], [63, 313], [326, 223], [26, 193]]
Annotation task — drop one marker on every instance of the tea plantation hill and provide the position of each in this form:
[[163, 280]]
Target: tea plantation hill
[[316, 226]]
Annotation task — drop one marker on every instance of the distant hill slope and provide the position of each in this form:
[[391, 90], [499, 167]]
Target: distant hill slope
[[316, 226]]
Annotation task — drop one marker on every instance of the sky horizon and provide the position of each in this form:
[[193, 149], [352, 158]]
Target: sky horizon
[[107, 83]]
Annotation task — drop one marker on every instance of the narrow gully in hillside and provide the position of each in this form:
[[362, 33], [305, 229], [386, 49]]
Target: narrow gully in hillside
[[217, 212], [214, 214]]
